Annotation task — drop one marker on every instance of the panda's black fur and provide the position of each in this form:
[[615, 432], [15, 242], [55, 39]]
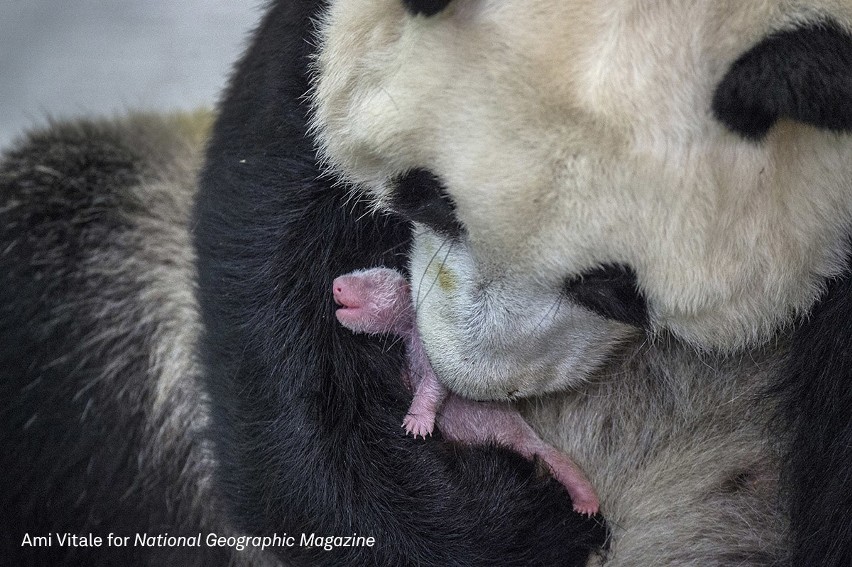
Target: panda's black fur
[[425, 7], [611, 291], [304, 432], [817, 394], [84, 449], [800, 74]]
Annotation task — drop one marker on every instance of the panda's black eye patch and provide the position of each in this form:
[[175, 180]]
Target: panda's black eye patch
[[425, 7], [421, 197], [611, 291], [803, 74]]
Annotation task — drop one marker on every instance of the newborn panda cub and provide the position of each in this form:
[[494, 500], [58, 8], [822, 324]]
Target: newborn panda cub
[[378, 300]]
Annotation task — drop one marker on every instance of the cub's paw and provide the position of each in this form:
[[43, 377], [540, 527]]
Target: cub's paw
[[586, 507], [418, 425]]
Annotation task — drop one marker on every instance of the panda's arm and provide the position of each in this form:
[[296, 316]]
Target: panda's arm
[[305, 414]]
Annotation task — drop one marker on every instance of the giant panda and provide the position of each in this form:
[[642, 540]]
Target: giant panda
[[629, 219]]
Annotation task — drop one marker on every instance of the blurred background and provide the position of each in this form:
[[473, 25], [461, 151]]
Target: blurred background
[[64, 58]]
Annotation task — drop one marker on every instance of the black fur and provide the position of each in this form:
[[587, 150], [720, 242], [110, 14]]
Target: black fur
[[425, 7], [611, 291], [306, 414], [79, 452], [420, 196], [818, 396], [803, 74]]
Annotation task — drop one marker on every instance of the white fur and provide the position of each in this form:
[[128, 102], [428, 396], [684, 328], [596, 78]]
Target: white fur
[[571, 134], [492, 332]]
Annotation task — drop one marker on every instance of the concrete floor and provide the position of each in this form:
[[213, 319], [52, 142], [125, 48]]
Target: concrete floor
[[63, 58]]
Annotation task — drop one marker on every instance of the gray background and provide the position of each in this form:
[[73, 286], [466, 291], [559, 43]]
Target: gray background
[[63, 58]]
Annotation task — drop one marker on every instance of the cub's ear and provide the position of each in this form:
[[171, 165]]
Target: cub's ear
[[803, 74]]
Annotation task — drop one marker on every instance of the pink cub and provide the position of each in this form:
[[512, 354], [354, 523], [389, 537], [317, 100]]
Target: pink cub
[[378, 300]]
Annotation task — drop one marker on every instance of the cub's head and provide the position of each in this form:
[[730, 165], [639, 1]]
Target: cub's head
[[577, 169]]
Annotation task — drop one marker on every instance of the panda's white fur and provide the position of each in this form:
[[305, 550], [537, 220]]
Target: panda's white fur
[[500, 333], [571, 134]]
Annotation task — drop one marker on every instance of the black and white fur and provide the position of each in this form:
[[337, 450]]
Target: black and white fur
[[736, 453], [102, 410], [692, 179]]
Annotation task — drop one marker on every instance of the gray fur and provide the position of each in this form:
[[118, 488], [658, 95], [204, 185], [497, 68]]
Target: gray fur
[[679, 447], [95, 219]]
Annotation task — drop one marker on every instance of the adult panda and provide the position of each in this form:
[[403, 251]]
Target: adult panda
[[587, 169], [683, 167]]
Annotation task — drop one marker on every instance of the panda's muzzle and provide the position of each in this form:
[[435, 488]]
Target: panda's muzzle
[[612, 290]]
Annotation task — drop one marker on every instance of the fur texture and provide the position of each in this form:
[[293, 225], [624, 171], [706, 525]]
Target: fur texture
[[817, 391], [799, 74], [304, 413], [547, 140], [590, 125], [102, 414], [576, 136]]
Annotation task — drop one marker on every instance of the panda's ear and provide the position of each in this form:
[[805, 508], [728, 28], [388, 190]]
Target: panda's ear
[[803, 74]]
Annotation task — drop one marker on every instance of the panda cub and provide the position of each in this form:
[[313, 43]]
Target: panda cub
[[378, 300]]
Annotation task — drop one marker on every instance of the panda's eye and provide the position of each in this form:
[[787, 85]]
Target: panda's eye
[[425, 7], [420, 196], [611, 291]]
